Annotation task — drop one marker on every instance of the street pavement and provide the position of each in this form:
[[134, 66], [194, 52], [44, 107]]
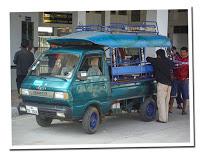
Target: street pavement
[[121, 129]]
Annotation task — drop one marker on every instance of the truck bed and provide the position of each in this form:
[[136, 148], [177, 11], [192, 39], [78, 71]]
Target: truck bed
[[133, 90]]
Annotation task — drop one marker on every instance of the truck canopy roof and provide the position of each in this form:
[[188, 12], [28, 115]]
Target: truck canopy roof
[[118, 40]]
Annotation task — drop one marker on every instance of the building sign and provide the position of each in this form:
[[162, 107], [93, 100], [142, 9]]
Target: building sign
[[57, 18]]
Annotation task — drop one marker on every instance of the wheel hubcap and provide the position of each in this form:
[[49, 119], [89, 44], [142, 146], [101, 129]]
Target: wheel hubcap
[[93, 120], [150, 109]]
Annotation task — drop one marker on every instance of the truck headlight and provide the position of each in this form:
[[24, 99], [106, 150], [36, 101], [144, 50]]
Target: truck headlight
[[61, 95], [24, 91]]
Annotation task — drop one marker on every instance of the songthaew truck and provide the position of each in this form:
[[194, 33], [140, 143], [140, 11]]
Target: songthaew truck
[[94, 72]]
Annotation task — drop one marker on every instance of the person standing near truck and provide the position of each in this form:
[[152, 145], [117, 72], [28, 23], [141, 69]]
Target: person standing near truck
[[175, 92], [162, 67], [182, 76], [23, 60]]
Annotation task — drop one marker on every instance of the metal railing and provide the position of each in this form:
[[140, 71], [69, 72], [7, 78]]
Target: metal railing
[[147, 27]]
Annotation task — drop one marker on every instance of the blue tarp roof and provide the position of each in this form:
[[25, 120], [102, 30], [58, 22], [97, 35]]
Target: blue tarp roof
[[119, 40]]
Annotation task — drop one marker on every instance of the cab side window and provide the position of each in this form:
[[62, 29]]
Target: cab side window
[[92, 65]]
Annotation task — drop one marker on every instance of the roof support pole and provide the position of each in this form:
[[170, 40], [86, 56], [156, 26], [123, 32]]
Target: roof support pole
[[105, 18]]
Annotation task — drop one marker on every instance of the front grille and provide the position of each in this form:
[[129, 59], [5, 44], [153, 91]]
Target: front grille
[[50, 111], [50, 114]]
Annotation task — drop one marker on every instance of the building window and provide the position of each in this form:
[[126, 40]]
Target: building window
[[113, 12], [27, 31], [135, 15], [182, 10], [122, 12], [98, 12], [89, 62], [181, 29]]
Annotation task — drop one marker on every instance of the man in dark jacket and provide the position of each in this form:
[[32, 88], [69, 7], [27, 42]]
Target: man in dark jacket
[[162, 68], [23, 60]]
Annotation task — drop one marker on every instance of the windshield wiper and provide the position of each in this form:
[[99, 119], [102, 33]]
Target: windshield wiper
[[60, 78], [46, 76], [35, 65], [43, 77]]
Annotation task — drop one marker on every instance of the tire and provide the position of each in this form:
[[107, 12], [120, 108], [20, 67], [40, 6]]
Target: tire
[[148, 110], [43, 121], [91, 120]]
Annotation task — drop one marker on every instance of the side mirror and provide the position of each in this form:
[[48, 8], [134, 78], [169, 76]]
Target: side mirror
[[82, 75]]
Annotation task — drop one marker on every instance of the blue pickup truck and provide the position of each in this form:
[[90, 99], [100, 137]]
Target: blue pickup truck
[[93, 73]]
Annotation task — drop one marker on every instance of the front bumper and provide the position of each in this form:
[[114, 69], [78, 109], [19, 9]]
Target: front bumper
[[50, 111]]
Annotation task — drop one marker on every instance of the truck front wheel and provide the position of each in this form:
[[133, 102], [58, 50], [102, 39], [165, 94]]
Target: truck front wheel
[[91, 120], [43, 121], [148, 110]]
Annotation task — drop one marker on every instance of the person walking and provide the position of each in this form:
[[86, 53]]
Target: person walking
[[162, 67], [23, 60]]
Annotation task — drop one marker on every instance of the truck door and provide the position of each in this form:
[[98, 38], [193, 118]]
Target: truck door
[[96, 87]]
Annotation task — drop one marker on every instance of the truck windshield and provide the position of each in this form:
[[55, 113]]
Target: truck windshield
[[57, 65]]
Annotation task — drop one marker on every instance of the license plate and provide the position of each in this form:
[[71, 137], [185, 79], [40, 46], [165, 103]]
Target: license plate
[[32, 110]]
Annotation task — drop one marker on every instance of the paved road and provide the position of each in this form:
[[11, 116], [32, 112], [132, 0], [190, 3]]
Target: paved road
[[124, 129]]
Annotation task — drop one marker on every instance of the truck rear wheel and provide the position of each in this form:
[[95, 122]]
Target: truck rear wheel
[[43, 121], [91, 120], [148, 110]]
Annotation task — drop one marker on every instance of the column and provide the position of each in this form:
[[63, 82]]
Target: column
[[162, 21], [107, 18], [107, 23], [78, 18]]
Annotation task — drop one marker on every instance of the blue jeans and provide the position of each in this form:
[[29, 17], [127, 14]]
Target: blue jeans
[[183, 87], [180, 89], [176, 92]]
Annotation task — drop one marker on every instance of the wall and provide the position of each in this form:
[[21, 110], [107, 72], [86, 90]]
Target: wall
[[93, 18], [119, 18], [178, 19], [15, 36], [15, 30], [180, 40]]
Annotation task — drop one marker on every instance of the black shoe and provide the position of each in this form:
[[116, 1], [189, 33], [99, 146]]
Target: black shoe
[[179, 107], [160, 121], [184, 113]]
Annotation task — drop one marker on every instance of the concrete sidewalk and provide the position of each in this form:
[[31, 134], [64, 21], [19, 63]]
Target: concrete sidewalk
[[121, 129]]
